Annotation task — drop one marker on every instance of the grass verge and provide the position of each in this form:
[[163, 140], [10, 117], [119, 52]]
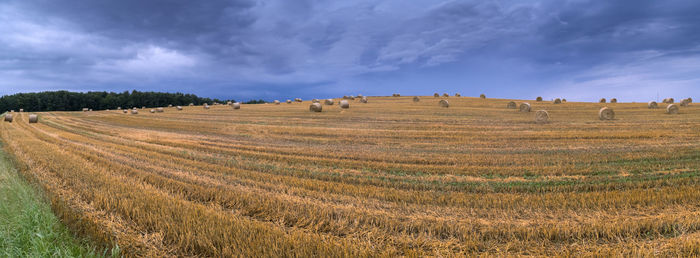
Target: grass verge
[[28, 228]]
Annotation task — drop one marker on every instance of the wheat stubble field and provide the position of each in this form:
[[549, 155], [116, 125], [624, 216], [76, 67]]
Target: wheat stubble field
[[391, 177]]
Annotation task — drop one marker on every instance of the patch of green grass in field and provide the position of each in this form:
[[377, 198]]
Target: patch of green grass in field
[[28, 228]]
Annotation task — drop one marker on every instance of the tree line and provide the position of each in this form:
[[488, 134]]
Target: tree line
[[76, 101]]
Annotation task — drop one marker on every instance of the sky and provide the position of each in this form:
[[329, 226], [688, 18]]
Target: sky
[[634, 50]]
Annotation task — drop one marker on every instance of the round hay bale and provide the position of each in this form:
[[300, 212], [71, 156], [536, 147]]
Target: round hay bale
[[437, 95], [363, 100], [119, 108], [289, 101], [344, 104], [416, 99], [171, 105], [613, 100], [12, 111], [690, 100], [277, 102], [134, 111], [444, 103], [563, 100], [160, 110], [458, 95], [298, 100], [483, 96], [606, 113], [33, 119], [328, 102], [346, 97], [352, 97], [84, 110], [191, 104], [360, 96], [179, 108], [446, 95], [21, 110], [672, 109], [670, 100], [538, 99], [206, 106], [315, 107], [684, 103], [602, 100], [525, 107], [153, 111], [557, 101], [512, 105], [125, 111], [229, 103], [237, 105], [653, 104], [315, 101], [143, 107], [9, 118], [541, 116]]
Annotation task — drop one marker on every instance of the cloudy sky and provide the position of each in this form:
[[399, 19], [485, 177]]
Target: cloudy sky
[[581, 50]]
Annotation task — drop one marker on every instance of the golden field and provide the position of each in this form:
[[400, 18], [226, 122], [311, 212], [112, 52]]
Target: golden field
[[387, 178]]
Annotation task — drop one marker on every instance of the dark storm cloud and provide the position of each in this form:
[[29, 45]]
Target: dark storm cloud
[[165, 20], [308, 48], [583, 30], [216, 26]]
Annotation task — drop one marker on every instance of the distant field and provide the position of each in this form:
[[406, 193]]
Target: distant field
[[390, 177]]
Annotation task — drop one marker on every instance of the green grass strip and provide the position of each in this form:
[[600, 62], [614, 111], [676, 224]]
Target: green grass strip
[[28, 227]]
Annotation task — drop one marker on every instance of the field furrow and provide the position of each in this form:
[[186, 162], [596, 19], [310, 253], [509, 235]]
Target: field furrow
[[387, 178]]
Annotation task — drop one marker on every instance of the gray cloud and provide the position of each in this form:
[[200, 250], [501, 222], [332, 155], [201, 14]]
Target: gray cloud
[[232, 48]]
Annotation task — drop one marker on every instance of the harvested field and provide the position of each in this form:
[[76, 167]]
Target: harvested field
[[391, 177]]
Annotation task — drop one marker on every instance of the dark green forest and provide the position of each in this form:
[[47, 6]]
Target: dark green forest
[[76, 101]]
